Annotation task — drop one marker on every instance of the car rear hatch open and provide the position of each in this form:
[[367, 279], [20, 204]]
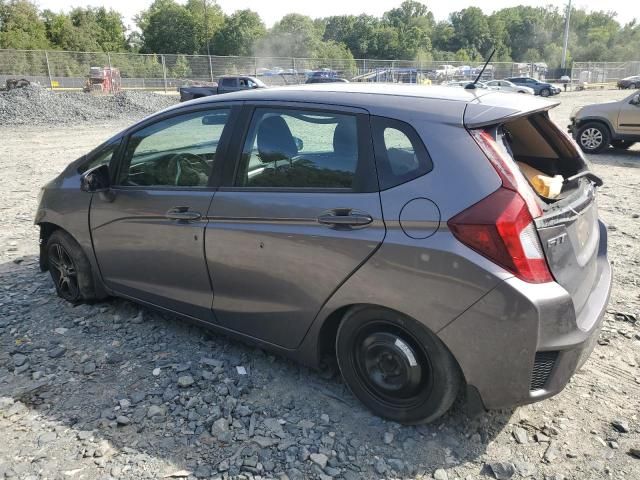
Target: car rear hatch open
[[558, 178]]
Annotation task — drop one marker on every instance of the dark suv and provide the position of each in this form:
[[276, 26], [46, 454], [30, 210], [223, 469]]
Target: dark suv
[[543, 89]]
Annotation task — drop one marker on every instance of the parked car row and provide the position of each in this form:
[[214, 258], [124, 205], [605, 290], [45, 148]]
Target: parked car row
[[515, 84]]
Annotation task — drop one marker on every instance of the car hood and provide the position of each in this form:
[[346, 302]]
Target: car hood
[[595, 109]]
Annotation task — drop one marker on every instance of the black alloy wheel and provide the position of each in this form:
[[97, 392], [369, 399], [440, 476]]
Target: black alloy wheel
[[64, 272]]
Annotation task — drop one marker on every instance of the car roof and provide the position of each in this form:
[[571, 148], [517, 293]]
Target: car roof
[[482, 105], [354, 94]]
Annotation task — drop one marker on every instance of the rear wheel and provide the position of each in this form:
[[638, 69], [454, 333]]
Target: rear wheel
[[593, 137], [69, 268], [622, 144], [545, 92], [395, 366]]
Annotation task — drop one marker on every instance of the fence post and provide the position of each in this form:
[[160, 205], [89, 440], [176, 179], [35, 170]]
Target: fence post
[[164, 73], [109, 60], [46, 57], [255, 67], [210, 68]]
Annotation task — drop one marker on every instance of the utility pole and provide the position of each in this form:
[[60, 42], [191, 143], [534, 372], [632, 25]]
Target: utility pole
[[206, 26], [566, 36]]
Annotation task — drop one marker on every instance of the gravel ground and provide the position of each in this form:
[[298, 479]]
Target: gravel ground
[[113, 390], [35, 105]]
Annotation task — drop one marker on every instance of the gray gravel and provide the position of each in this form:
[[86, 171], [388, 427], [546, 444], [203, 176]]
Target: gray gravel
[[35, 105], [116, 391]]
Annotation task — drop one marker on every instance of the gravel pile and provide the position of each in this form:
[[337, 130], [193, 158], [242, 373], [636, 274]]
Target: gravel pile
[[35, 105]]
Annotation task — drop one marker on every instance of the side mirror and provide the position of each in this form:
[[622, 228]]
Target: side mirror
[[96, 180], [635, 100], [299, 143]]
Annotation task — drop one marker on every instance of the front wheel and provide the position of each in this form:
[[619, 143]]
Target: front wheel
[[593, 137], [69, 268], [633, 86], [545, 92], [395, 366]]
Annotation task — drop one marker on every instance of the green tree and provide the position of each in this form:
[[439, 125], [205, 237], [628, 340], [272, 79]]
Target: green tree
[[208, 18], [294, 35], [239, 34], [21, 26], [471, 32], [168, 27], [181, 68]]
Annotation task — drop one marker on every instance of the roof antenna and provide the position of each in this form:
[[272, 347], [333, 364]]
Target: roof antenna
[[472, 86]]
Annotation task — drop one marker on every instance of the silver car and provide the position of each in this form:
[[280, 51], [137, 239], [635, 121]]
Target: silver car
[[386, 229], [507, 86]]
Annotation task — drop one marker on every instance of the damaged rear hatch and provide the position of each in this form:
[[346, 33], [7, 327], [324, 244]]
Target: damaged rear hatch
[[559, 177]]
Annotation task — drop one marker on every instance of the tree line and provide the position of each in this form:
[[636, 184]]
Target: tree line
[[408, 32]]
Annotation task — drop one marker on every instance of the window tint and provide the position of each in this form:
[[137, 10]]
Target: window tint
[[297, 149], [400, 154], [101, 157], [177, 152]]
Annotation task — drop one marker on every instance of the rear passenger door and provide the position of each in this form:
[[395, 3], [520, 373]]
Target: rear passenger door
[[295, 216]]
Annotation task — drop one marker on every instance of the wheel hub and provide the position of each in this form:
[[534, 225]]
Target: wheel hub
[[591, 138], [390, 365]]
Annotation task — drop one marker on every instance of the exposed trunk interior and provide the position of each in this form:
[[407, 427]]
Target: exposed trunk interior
[[545, 155]]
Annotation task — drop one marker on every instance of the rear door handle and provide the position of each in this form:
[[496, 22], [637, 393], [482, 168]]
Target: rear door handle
[[345, 217], [182, 214]]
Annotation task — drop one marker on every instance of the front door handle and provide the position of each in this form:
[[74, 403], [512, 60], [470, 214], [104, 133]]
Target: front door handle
[[345, 217], [182, 214]]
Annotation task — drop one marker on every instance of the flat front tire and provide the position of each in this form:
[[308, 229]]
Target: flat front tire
[[69, 268], [593, 137], [395, 366]]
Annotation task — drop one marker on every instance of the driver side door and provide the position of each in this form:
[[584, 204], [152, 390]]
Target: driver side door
[[629, 117], [148, 230]]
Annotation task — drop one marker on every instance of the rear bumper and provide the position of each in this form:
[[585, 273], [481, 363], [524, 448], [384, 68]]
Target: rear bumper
[[527, 340]]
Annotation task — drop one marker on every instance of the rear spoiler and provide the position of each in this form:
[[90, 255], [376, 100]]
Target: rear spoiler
[[493, 109]]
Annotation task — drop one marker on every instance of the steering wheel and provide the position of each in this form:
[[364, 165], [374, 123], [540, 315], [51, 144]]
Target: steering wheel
[[190, 162]]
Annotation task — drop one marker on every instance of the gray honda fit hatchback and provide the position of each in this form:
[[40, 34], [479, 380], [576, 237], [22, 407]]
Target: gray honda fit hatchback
[[389, 229]]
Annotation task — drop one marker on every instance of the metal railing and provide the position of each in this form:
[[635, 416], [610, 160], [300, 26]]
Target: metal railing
[[69, 70]]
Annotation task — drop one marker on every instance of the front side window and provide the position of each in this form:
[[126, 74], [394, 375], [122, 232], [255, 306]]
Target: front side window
[[228, 82], [176, 152], [289, 148], [101, 157], [400, 154]]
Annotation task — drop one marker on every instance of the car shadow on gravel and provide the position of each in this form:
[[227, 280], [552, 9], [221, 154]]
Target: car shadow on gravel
[[167, 395], [614, 156]]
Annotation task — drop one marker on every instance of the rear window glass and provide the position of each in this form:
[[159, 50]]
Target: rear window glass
[[400, 154]]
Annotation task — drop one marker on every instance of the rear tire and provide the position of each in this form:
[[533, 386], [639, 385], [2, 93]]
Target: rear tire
[[395, 366], [622, 144], [593, 137], [69, 268]]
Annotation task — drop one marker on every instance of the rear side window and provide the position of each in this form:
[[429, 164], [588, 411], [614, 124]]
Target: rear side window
[[400, 154], [290, 148], [228, 82]]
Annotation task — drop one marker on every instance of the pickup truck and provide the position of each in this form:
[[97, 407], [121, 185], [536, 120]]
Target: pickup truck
[[226, 84]]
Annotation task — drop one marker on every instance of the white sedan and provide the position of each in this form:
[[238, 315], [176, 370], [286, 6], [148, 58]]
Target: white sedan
[[507, 86]]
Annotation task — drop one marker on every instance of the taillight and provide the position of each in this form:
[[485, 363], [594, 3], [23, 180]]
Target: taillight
[[507, 170], [500, 226]]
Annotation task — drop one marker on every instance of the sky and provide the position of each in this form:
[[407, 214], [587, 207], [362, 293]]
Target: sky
[[271, 11]]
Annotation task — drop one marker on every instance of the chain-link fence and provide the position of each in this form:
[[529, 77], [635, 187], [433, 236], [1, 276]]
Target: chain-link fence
[[605, 74], [70, 70]]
